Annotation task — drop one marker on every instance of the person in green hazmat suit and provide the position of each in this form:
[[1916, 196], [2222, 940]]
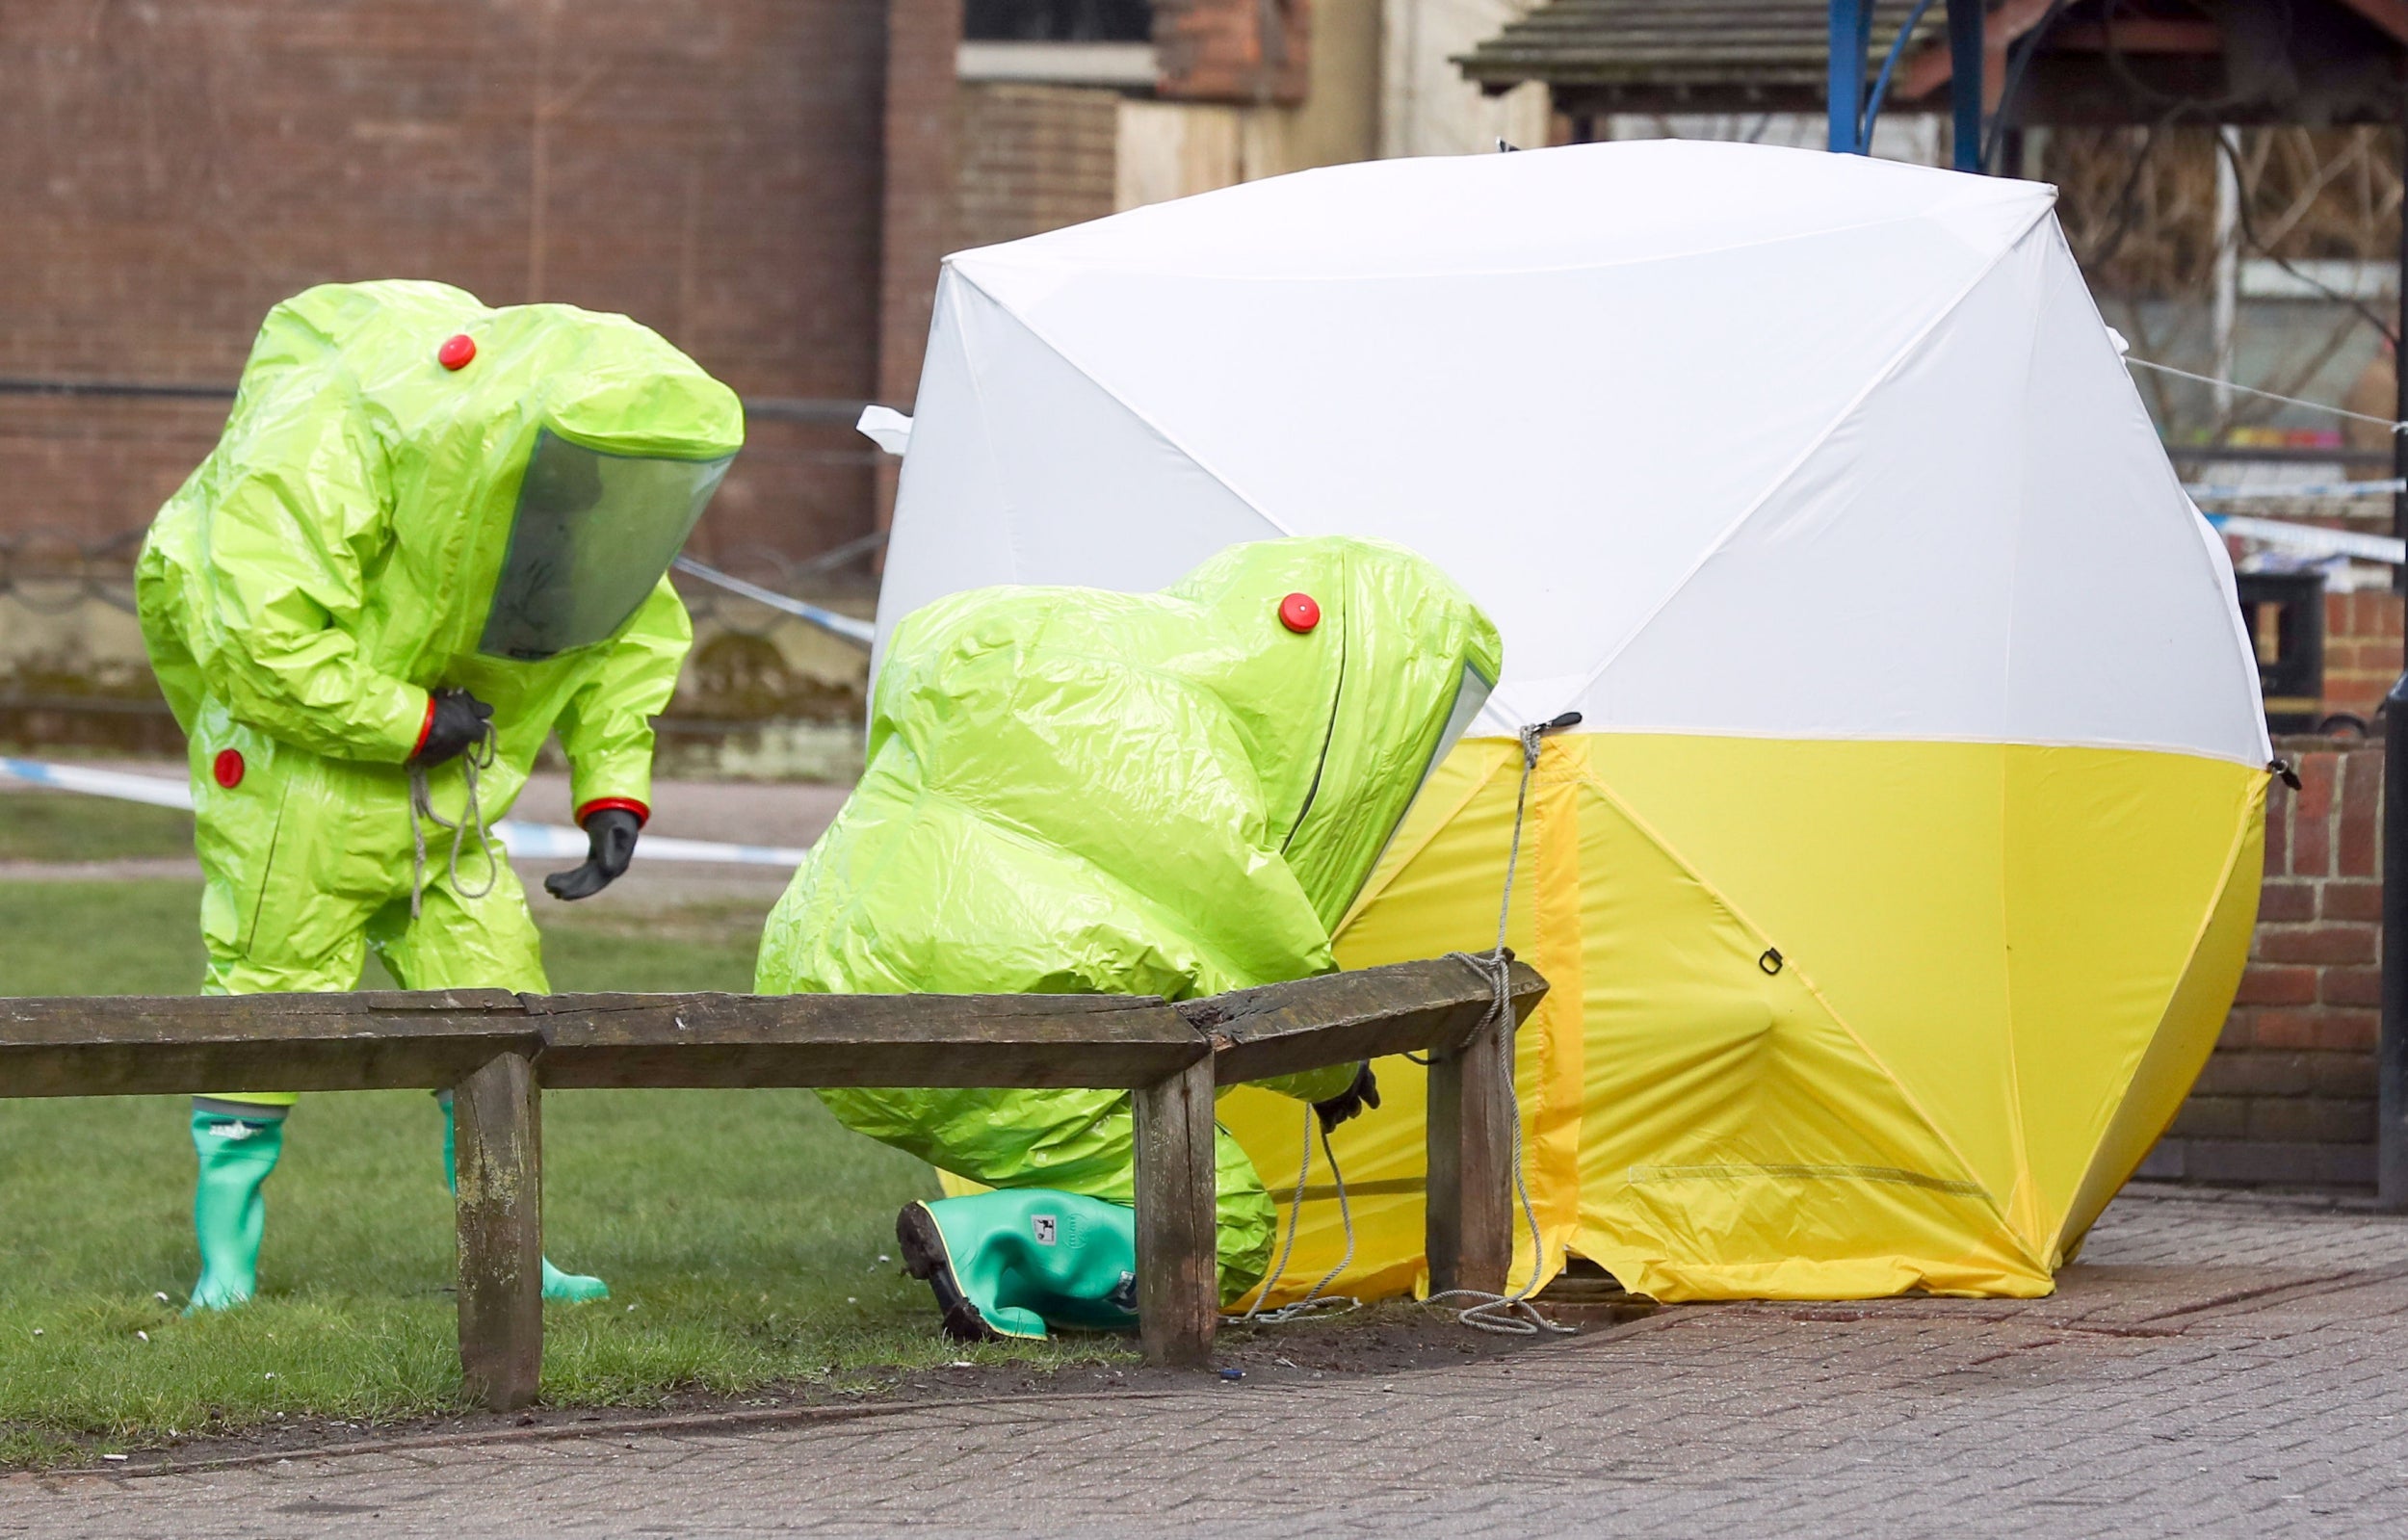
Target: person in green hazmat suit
[[1070, 791], [430, 534]]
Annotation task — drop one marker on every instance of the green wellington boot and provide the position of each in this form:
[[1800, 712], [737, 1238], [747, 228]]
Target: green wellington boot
[[569, 1288], [230, 1215], [1011, 1262]]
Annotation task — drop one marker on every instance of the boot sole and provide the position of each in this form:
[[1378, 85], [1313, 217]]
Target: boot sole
[[926, 1257]]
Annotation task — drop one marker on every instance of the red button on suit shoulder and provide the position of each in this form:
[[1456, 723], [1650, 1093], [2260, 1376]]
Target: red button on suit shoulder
[[229, 769], [456, 352], [1299, 613]]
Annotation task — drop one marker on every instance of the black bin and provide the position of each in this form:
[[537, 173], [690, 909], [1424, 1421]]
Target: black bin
[[2285, 615]]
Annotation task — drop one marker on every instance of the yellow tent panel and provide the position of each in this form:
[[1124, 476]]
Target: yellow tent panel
[[1829, 1019]]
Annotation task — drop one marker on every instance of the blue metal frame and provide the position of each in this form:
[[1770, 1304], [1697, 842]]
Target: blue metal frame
[[1852, 117], [1852, 38], [1881, 82]]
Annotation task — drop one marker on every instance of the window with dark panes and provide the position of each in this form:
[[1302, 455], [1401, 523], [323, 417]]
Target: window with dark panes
[[1057, 20]]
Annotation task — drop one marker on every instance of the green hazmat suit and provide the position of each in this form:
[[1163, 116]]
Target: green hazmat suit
[[415, 490], [1178, 793]]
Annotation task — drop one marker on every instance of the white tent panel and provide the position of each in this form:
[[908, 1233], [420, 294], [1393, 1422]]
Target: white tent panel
[[1573, 486], [1727, 439], [2127, 626], [1864, 598], [1023, 470], [1992, 548]]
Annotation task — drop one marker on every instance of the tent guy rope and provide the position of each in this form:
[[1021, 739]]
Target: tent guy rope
[[1511, 1314], [2267, 395]]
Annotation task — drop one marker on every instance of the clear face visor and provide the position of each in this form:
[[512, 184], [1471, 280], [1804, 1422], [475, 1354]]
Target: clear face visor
[[591, 536], [1470, 696]]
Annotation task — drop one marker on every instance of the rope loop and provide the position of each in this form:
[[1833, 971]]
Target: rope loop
[[476, 759], [1313, 1303]]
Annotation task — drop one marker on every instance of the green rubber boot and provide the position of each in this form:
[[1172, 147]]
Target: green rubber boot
[[1011, 1262], [568, 1288], [230, 1215]]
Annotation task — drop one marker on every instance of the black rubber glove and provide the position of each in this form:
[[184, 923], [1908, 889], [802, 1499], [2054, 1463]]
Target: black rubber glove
[[1350, 1102], [610, 843], [460, 721]]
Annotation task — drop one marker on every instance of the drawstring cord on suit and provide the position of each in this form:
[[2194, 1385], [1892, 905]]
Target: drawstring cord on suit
[[477, 758]]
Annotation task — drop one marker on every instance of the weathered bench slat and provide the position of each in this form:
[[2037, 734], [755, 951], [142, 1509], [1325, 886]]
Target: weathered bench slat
[[1283, 1029], [314, 1064], [79, 1047], [764, 1040]]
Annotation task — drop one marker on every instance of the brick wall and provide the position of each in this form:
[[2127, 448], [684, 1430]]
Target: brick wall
[[713, 167], [2289, 1094], [1035, 158], [922, 126], [2362, 650], [1235, 51]]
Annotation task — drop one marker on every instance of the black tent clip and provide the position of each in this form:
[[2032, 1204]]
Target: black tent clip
[[2280, 769], [1770, 961]]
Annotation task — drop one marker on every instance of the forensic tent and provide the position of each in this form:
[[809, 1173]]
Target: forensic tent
[[1897, 876]]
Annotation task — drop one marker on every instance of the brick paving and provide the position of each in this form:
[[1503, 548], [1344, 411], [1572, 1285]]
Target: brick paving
[[2216, 1364]]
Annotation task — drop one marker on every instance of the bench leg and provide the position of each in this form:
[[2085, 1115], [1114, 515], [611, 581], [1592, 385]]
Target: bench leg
[[1469, 1217], [1178, 1237], [500, 1161]]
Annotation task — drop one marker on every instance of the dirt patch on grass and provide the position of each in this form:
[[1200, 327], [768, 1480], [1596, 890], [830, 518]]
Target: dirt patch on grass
[[1377, 1342]]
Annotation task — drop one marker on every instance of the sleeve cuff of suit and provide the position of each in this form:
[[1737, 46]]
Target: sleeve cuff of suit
[[396, 729], [586, 810]]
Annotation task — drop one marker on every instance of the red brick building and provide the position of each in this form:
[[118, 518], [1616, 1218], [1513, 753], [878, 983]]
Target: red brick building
[[766, 182]]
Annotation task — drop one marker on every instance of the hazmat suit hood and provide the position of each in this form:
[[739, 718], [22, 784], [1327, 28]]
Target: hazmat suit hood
[[1070, 790], [416, 490], [555, 470], [1360, 706]]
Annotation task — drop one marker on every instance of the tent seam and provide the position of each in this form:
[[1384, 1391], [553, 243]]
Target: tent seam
[[2026, 1181], [1931, 1126], [1879, 377], [1125, 405], [1422, 275]]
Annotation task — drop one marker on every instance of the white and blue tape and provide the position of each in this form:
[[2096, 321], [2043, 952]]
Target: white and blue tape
[[532, 840]]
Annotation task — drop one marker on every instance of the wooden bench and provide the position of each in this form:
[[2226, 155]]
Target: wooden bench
[[495, 1050]]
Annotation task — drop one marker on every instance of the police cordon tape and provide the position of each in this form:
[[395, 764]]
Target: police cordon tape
[[861, 632], [2310, 539], [2292, 491], [534, 840]]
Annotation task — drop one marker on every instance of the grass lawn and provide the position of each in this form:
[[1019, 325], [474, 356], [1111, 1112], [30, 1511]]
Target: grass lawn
[[62, 826], [741, 1232]]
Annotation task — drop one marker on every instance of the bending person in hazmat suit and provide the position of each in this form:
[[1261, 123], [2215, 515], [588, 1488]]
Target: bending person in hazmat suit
[[431, 534], [1076, 792]]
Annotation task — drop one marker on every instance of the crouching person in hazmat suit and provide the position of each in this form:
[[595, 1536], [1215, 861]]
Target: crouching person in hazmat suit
[[1078, 792], [431, 534]]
